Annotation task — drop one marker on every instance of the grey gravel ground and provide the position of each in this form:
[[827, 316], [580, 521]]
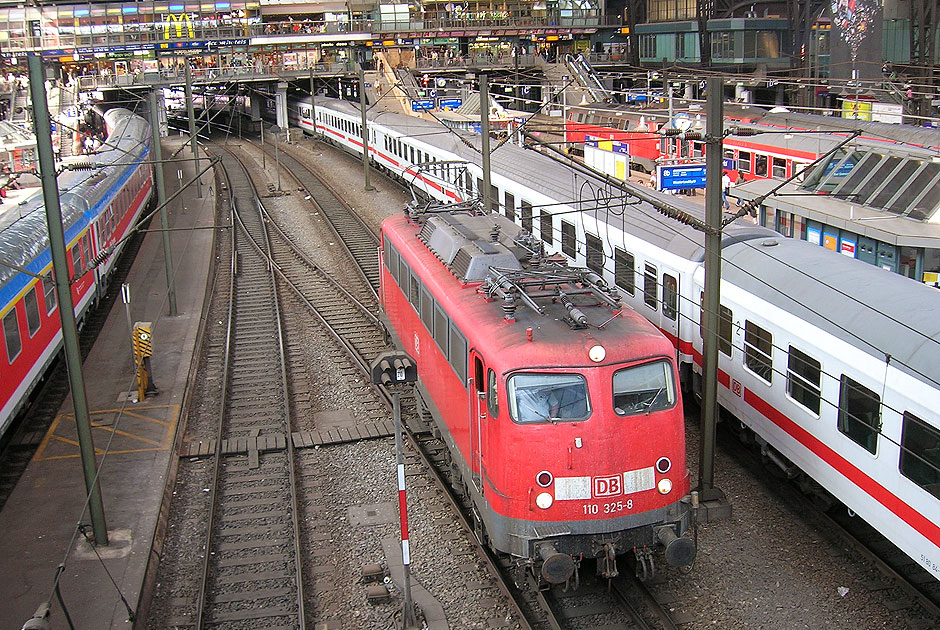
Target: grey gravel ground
[[771, 565]]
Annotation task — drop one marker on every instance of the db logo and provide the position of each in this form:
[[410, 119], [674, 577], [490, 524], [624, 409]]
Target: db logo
[[608, 486], [736, 388]]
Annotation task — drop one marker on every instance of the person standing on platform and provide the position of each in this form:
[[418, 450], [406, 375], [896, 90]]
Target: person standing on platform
[[725, 189]]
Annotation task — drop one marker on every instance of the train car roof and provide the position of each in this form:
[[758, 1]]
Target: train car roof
[[886, 132], [870, 308], [23, 232]]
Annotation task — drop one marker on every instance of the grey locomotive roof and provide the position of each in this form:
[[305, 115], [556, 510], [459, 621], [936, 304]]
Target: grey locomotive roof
[[876, 310], [864, 305], [23, 233]]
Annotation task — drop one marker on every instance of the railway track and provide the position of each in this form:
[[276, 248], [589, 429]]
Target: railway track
[[357, 238]]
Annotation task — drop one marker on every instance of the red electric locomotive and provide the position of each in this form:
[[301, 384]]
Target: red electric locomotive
[[560, 407]]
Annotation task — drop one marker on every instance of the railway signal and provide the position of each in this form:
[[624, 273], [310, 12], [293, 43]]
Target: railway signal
[[392, 368]]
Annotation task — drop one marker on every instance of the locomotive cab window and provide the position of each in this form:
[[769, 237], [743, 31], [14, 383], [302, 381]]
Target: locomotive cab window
[[644, 388], [758, 351], [535, 398], [859, 414], [920, 453], [391, 260], [492, 398]]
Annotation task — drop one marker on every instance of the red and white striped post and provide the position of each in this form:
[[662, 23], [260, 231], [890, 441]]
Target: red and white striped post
[[408, 610]]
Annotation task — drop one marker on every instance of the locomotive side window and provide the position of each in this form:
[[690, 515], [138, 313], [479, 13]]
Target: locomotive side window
[[670, 296], [644, 388], [440, 328], [31, 303], [537, 398], [510, 206], [458, 354], [803, 379], [391, 260], [11, 333], [595, 253], [859, 414], [650, 286], [758, 348], [414, 294], [48, 287], [920, 453], [427, 309], [545, 227], [526, 210], [405, 277], [624, 270], [492, 400], [569, 240]]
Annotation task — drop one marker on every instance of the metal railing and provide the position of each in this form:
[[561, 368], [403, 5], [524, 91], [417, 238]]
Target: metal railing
[[152, 35]]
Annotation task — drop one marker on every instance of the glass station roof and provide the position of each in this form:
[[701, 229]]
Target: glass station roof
[[902, 185]]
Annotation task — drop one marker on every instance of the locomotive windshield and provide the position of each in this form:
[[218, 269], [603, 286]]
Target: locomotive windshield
[[644, 388], [547, 397]]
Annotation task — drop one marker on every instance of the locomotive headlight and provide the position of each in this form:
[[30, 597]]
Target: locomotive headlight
[[597, 353], [544, 500], [664, 486]]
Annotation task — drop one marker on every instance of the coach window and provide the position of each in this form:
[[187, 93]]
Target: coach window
[[494, 199], [779, 168], [650, 286], [744, 161], [595, 253], [427, 309], [920, 453], [535, 398], [624, 271], [758, 349], [86, 251], [440, 328], [458, 354], [859, 414], [760, 165], [545, 227], [803, 379], [644, 388], [32, 311], [415, 292], [492, 399], [510, 206], [569, 240], [698, 149], [11, 333], [77, 269], [724, 329], [48, 286], [526, 209], [670, 296]]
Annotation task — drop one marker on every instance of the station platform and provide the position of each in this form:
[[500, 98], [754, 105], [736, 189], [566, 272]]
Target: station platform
[[40, 519]]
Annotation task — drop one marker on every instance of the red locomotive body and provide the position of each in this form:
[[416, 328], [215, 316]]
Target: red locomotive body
[[560, 408]]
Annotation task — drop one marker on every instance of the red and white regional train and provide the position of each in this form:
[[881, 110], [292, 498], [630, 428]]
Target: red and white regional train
[[762, 156], [99, 206], [830, 364], [560, 408]]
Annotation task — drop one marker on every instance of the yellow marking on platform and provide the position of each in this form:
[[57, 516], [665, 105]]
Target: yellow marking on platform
[[136, 427]]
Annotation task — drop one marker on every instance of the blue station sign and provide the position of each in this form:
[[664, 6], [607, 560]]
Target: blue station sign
[[680, 177], [422, 105]]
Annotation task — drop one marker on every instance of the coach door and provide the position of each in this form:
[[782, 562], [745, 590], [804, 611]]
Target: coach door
[[478, 416]]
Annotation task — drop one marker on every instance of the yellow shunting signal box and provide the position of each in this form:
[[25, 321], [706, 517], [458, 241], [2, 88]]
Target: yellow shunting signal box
[[142, 341]]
